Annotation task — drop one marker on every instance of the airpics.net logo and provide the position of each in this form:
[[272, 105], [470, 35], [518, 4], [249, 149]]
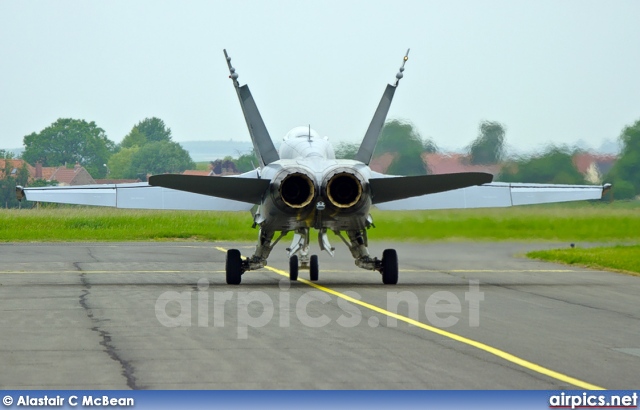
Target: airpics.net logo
[[256, 309]]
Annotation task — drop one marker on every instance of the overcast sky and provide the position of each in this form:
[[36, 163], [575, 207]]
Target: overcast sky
[[550, 71]]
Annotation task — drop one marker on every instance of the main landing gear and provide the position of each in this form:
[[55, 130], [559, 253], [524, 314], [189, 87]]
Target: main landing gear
[[299, 257], [233, 267], [388, 267]]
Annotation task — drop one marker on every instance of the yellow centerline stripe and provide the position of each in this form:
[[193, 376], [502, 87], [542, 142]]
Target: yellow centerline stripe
[[489, 349]]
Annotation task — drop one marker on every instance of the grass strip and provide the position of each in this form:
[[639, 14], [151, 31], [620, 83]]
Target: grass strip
[[595, 222], [621, 258]]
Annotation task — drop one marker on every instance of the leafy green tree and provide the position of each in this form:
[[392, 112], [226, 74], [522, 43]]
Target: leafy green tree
[[11, 176], [70, 141], [623, 189], [133, 139], [625, 173], [149, 148], [120, 163], [402, 139], [553, 166], [488, 147], [247, 162], [160, 157], [346, 150], [148, 130], [4, 154]]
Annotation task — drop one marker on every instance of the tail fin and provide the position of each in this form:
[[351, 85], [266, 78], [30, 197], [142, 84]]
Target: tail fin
[[365, 152], [262, 143]]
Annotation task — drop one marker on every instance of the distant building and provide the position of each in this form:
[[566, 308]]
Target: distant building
[[15, 165], [218, 167], [594, 166], [64, 176], [454, 163], [196, 172], [438, 164], [382, 163]]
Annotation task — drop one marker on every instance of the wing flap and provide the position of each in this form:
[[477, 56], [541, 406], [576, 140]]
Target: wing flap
[[496, 195], [396, 188], [132, 196]]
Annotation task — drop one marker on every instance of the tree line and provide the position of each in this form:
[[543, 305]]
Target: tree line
[[554, 165], [149, 149]]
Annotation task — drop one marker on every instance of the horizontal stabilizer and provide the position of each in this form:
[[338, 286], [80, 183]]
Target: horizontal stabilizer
[[248, 190], [391, 189]]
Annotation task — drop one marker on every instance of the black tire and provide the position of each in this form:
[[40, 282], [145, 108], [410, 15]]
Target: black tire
[[233, 267], [389, 267], [293, 267], [314, 268]]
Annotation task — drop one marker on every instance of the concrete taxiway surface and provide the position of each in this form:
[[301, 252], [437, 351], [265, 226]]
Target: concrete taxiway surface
[[160, 316]]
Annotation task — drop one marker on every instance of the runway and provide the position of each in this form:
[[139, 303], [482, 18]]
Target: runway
[[160, 316]]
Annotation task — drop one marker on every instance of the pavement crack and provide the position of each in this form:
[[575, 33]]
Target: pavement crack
[[105, 338], [91, 255]]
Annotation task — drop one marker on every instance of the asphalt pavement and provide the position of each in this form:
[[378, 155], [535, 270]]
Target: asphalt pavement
[[464, 315]]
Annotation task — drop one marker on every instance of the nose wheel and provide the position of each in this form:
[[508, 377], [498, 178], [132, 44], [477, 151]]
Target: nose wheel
[[312, 265], [314, 268]]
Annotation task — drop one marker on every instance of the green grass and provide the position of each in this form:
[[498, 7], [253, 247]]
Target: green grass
[[618, 258], [594, 222], [575, 222], [106, 224]]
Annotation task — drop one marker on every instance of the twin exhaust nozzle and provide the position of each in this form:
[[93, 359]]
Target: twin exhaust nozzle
[[342, 189]]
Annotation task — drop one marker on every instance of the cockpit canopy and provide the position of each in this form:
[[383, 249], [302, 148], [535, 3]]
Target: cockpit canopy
[[302, 132], [304, 142]]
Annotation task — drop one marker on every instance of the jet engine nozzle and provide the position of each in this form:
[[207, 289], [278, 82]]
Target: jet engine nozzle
[[293, 189], [343, 188], [297, 190]]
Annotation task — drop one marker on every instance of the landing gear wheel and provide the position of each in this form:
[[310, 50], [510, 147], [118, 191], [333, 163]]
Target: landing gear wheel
[[314, 268], [293, 268], [389, 267], [233, 267]]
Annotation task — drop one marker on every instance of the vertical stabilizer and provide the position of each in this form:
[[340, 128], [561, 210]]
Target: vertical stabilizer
[[365, 152], [262, 143]]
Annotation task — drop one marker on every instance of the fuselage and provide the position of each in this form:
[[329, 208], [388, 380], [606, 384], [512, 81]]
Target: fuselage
[[310, 188]]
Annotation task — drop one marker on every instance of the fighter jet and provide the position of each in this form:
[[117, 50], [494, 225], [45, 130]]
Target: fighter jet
[[302, 187]]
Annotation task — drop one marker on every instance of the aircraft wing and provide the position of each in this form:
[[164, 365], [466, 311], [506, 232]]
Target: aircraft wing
[[132, 196], [498, 194]]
